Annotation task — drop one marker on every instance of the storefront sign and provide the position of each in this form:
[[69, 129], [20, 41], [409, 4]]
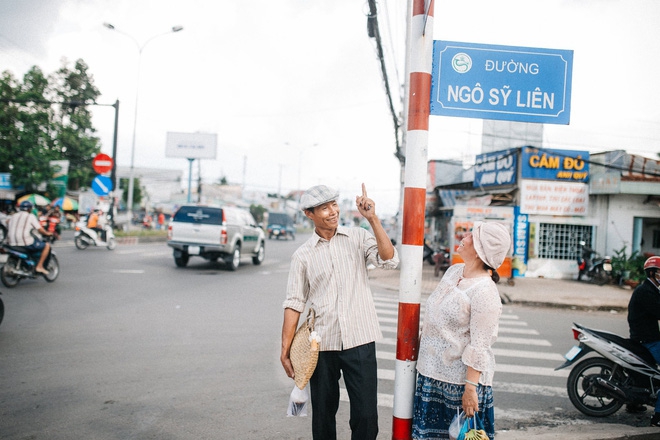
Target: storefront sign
[[501, 82], [520, 233], [554, 198], [498, 168], [565, 165], [5, 181]]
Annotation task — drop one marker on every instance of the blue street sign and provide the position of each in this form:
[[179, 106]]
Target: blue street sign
[[501, 82], [101, 185]]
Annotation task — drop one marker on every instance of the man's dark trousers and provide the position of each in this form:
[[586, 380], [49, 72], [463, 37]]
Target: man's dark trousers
[[359, 367]]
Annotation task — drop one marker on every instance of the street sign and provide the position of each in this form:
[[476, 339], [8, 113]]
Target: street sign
[[102, 163], [501, 82], [101, 185]]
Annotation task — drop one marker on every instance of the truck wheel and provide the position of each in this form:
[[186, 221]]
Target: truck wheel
[[234, 259], [259, 257], [181, 261]]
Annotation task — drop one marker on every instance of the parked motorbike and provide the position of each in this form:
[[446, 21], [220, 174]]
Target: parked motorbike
[[22, 264], [428, 254], [442, 259], [84, 237], [623, 372], [597, 270]]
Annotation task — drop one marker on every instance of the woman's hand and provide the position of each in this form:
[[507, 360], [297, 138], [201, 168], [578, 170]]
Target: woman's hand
[[470, 400]]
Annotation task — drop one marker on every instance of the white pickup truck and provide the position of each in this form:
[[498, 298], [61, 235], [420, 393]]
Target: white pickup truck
[[213, 233]]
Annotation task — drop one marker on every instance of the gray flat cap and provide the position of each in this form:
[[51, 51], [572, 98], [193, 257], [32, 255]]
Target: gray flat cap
[[317, 195]]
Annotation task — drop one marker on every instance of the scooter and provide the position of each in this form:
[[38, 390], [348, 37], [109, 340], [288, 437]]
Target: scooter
[[22, 264], [84, 237], [427, 254], [442, 259], [597, 270], [623, 372]]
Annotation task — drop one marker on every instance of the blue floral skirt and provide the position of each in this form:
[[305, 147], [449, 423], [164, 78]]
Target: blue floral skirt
[[436, 403]]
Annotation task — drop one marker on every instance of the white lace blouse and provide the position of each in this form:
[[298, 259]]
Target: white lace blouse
[[460, 326]]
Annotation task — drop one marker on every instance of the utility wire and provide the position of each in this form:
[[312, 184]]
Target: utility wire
[[374, 32]]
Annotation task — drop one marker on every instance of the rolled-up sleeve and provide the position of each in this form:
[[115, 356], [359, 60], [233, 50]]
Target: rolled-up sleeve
[[373, 257], [297, 287]]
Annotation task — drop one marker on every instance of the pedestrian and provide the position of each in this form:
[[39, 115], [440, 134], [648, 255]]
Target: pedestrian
[[643, 317], [161, 220], [329, 274], [456, 362]]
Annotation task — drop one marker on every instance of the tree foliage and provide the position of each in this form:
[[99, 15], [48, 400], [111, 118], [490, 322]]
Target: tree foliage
[[45, 118]]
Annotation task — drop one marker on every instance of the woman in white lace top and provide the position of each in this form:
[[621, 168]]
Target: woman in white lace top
[[456, 362]]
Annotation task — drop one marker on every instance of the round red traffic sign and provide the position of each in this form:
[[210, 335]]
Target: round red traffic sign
[[102, 163]]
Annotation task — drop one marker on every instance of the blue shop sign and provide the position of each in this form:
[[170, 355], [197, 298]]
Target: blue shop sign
[[546, 164], [5, 181], [498, 168], [501, 82]]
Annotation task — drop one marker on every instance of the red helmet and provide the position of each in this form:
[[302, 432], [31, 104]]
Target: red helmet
[[652, 263]]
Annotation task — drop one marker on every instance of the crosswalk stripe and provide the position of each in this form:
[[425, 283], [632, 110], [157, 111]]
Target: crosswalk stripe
[[519, 331], [385, 400], [385, 319], [527, 354], [537, 390], [526, 369], [507, 317], [523, 341]]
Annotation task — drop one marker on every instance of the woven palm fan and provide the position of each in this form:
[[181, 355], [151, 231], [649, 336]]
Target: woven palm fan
[[304, 352]]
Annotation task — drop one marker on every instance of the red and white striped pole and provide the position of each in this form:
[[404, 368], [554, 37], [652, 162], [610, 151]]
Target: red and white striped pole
[[420, 58]]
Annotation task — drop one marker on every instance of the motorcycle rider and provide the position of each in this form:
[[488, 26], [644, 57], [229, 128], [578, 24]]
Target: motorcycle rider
[[644, 314], [19, 233], [94, 222]]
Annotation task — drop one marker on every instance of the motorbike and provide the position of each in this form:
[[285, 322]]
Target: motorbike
[[2, 309], [622, 372], [427, 254], [442, 260], [597, 270], [22, 264], [84, 237]]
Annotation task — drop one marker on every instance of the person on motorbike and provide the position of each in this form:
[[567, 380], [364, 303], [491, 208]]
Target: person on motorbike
[[19, 233], [94, 223], [644, 314]]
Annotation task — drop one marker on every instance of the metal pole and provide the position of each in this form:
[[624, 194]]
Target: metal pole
[[420, 56], [113, 173], [131, 176], [190, 162]]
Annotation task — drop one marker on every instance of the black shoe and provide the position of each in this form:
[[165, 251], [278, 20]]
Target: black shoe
[[635, 408], [655, 420]]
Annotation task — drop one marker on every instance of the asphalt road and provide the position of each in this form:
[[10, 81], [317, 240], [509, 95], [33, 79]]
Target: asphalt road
[[124, 345]]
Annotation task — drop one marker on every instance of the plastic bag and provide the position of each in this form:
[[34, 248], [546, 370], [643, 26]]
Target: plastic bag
[[298, 402], [464, 428], [456, 424], [476, 432]]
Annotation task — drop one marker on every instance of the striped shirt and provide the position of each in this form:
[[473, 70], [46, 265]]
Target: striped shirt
[[20, 227], [331, 277]]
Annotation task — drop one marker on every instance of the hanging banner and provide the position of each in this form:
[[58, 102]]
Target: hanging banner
[[60, 176], [508, 83]]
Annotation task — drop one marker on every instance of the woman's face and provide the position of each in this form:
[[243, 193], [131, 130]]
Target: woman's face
[[466, 248]]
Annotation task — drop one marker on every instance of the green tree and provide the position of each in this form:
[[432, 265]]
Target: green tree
[[33, 131], [137, 191], [257, 212], [76, 140], [27, 128]]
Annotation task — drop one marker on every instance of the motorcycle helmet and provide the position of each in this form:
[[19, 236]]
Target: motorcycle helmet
[[651, 265], [25, 206]]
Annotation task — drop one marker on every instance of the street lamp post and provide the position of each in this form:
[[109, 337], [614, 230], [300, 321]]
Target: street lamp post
[[131, 177]]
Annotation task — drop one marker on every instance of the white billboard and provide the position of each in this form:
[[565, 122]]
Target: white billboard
[[191, 145]]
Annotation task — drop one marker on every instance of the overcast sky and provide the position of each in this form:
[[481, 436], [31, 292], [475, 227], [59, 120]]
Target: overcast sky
[[293, 88]]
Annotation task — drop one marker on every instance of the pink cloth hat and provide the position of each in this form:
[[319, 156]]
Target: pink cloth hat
[[492, 242]]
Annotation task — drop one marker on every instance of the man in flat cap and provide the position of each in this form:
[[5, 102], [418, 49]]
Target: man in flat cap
[[329, 274]]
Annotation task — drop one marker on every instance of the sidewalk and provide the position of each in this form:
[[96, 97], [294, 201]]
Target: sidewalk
[[531, 291], [545, 293]]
